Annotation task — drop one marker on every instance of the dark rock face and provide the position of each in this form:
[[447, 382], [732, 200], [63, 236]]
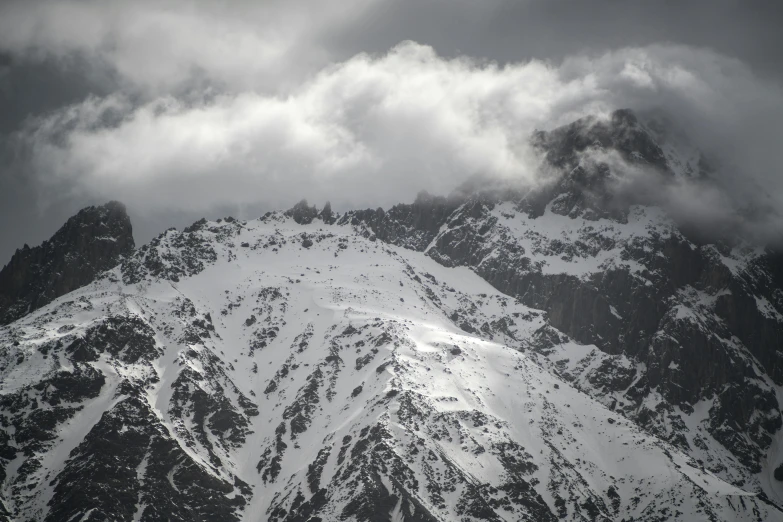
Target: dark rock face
[[128, 464], [621, 132], [326, 215], [580, 155], [303, 214], [128, 459], [92, 241], [126, 338], [413, 226], [34, 414]]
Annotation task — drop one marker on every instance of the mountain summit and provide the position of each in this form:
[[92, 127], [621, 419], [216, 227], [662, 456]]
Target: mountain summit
[[90, 242]]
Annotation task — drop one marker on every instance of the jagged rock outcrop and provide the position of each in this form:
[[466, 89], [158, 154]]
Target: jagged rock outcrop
[[412, 225], [326, 215], [92, 241], [302, 213]]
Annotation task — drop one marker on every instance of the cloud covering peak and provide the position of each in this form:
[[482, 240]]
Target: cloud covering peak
[[376, 129]]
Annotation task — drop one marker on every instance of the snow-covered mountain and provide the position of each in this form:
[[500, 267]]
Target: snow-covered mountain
[[494, 355]]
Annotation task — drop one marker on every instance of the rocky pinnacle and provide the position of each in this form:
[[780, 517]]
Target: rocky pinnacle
[[90, 242]]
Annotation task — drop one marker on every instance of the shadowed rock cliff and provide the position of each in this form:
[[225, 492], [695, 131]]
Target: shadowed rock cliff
[[90, 242]]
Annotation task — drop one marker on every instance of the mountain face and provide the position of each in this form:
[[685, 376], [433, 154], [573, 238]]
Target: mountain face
[[558, 354], [90, 242]]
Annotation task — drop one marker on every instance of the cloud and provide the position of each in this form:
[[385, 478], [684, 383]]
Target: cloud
[[718, 106], [376, 129], [161, 47], [701, 205]]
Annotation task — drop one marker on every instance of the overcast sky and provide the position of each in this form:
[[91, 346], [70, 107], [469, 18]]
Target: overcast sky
[[183, 109]]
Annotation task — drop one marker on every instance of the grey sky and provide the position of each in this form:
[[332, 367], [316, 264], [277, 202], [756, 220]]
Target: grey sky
[[187, 108]]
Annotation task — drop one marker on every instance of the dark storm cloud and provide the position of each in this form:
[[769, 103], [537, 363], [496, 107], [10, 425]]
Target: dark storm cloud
[[183, 107], [514, 30]]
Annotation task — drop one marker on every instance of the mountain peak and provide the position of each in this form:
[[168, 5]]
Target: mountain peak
[[91, 241], [621, 132]]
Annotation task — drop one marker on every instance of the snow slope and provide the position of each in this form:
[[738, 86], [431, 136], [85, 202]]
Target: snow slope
[[267, 370]]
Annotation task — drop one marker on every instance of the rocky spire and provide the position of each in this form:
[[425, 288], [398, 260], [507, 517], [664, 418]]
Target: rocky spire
[[302, 213], [326, 214], [90, 242]]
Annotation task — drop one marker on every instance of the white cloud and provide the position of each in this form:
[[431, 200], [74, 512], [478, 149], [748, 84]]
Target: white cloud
[[374, 130], [157, 47], [370, 129]]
